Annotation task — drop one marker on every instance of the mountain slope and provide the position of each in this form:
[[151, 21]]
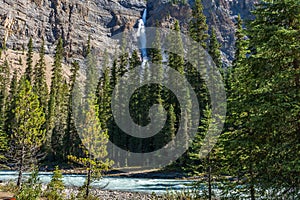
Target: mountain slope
[[75, 20]]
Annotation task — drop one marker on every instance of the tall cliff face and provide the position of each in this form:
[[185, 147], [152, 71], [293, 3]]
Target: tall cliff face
[[220, 14], [74, 20]]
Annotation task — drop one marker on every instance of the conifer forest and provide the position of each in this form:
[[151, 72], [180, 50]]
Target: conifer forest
[[66, 118]]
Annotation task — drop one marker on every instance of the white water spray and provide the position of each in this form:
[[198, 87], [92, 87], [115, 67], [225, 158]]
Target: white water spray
[[141, 33]]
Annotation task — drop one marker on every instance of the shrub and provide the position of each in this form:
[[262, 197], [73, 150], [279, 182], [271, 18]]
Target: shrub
[[31, 189], [55, 187]]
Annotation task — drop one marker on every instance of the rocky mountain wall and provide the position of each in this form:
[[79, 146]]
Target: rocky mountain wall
[[74, 20], [220, 14]]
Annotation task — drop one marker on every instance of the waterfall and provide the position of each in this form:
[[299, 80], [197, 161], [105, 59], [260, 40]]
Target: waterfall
[[144, 16], [141, 33]]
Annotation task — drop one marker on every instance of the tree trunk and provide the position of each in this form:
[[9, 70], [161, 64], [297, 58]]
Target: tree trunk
[[252, 189], [88, 182], [209, 178], [21, 169], [20, 177]]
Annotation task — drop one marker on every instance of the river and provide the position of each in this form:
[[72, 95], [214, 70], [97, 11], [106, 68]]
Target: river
[[112, 183]]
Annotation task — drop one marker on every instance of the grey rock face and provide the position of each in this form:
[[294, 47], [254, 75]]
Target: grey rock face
[[73, 20], [220, 14]]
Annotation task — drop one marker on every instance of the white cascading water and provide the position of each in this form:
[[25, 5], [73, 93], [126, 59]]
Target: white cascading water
[[141, 33]]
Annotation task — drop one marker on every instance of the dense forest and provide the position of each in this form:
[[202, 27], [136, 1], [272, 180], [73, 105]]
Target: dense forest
[[258, 149]]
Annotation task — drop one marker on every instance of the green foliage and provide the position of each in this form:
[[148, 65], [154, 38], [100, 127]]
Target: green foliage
[[57, 107], [56, 186], [27, 134], [3, 145], [104, 95], [264, 101], [31, 189], [95, 141], [4, 84], [214, 49], [198, 27], [95, 137], [40, 86], [29, 61], [71, 140]]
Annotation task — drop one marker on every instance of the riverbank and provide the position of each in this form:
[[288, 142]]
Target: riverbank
[[99, 194], [115, 195]]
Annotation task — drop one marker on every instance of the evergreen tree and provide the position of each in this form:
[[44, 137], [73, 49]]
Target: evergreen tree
[[240, 43], [72, 142], [198, 32], [4, 85], [241, 46], [56, 186], [95, 140], [214, 49], [11, 103], [176, 62], [58, 132], [134, 60], [29, 61], [4, 106], [27, 134], [104, 94], [57, 106], [198, 27], [264, 102], [40, 86], [3, 145]]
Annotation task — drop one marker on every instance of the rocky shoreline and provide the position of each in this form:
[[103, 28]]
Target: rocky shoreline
[[118, 195], [99, 193]]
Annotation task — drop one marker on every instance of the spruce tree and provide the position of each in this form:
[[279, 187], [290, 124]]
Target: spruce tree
[[176, 62], [40, 86], [71, 140], [4, 107], [4, 85], [3, 146], [95, 140], [56, 186], [11, 103], [198, 27], [58, 132], [264, 102], [104, 94], [240, 43], [214, 49], [274, 65], [27, 134], [57, 105], [29, 61]]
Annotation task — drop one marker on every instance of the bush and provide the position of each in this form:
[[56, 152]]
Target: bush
[[55, 187], [31, 189]]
